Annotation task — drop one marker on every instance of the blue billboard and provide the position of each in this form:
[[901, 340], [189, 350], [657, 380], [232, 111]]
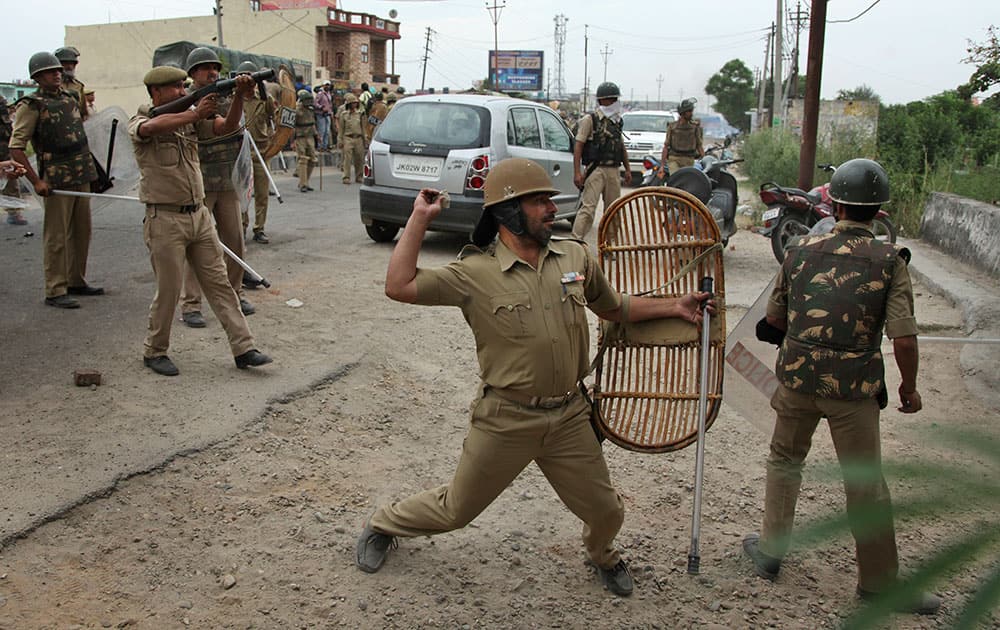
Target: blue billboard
[[517, 70]]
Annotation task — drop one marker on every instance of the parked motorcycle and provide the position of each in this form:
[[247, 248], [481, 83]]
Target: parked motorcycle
[[792, 212]]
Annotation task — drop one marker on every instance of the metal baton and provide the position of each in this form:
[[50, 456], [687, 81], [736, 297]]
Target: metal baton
[[694, 559], [260, 157]]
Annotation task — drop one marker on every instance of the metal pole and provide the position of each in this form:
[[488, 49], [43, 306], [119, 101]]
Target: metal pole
[[585, 44], [267, 172], [218, 22], [810, 108], [694, 558], [776, 75], [495, 11]]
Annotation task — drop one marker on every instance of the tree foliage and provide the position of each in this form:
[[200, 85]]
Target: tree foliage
[[986, 57], [863, 92], [732, 87]]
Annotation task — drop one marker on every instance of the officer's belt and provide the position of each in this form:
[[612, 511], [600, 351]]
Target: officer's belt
[[167, 207], [533, 402], [682, 153]]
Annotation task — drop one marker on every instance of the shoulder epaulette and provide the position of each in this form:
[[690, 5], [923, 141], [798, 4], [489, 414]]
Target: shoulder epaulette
[[470, 250]]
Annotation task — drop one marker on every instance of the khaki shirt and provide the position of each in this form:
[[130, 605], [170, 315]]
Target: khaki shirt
[[258, 115], [25, 120], [169, 168], [349, 123], [585, 127], [899, 317], [530, 327]]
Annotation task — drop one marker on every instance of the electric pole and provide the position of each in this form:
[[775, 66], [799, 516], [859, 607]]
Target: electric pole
[[606, 53], [560, 37], [218, 21], [776, 75], [810, 107], [800, 18], [762, 86], [495, 11], [427, 52], [659, 85], [584, 92]]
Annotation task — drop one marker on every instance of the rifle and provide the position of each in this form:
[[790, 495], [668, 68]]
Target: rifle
[[222, 86]]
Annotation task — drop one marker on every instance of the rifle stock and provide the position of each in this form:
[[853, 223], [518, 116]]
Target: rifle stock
[[222, 86]]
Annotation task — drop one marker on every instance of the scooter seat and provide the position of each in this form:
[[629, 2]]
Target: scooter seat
[[813, 198], [692, 180]]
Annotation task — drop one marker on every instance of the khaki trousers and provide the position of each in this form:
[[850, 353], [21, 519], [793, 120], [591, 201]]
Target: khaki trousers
[[225, 207], [66, 239], [353, 153], [503, 439], [676, 162], [305, 155], [172, 239], [604, 184], [854, 427], [261, 188]]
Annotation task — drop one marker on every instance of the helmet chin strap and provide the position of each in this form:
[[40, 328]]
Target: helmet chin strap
[[510, 216]]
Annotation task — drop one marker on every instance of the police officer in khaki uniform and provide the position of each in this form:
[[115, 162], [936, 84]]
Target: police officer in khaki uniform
[[69, 57], [52, 121], [178, 227], [834, 295], [600, 147], [376, 115], [259, 115], [683, 143], [218, 157], [10, 186], [390, 102], [305, 139], [524, 298], [351, 137]]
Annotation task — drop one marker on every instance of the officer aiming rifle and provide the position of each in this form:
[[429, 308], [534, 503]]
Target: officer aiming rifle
[[222, 87]]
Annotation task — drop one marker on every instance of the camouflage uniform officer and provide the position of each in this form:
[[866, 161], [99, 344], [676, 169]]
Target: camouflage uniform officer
[[10, 187], [351, 137], [217, 157], [835, 294], [599, 146], [683, 143], [305, 139], [69, 57], [51, 119], [524, 297], [177, 228], [258, 114], [376, 115]]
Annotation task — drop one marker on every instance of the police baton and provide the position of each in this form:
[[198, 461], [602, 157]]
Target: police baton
[[694, 558]]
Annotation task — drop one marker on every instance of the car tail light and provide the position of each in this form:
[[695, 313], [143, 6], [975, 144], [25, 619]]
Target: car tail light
[[369, 171], [479, 168]]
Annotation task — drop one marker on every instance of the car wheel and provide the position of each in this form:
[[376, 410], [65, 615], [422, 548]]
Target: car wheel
[[382, 232]]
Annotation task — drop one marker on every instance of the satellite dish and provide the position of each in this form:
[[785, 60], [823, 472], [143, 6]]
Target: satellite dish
[[393, 13]]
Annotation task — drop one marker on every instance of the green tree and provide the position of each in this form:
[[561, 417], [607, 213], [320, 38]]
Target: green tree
[[863, 92], [986, 57], [732, 87]]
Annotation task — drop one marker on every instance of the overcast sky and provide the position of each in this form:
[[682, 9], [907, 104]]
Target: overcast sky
[[905, 49]]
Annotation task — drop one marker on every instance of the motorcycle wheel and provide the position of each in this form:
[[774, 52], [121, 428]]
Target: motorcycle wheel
[[884, 230], [788, 227]]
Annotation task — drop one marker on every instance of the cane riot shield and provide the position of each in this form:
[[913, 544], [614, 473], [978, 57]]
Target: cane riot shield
[[659, 242], [283, 93]]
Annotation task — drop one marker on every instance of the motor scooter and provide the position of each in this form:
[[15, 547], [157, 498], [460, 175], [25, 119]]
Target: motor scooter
[[793, 212], [711, 182]]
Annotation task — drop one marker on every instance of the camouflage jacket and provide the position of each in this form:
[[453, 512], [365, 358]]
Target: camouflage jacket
[[606, 145], [59, 139], [838, 284], [305, 121], [218, 154]]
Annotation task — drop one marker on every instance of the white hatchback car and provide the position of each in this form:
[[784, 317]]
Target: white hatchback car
[[644, 133], [450, 142]]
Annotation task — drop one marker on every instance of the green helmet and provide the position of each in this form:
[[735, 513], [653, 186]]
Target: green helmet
[[202, 55], [41, 62], [67, 53], [608, 90], [245, 67], [860, 182], [687, 105], [305, 95]]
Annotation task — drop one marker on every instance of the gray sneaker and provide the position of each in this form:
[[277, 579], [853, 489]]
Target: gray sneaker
[[373, 547]]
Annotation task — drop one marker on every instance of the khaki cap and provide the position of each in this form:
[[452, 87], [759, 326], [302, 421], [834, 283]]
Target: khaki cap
[[164, 75]]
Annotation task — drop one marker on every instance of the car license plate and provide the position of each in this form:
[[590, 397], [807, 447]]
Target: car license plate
[[771, 214], [416, 166]]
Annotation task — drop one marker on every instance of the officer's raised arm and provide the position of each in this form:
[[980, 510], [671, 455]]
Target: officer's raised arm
[[400, 278]]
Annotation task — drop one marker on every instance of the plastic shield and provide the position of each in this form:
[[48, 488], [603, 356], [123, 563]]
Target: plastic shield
[[123, 171], [242, 176]]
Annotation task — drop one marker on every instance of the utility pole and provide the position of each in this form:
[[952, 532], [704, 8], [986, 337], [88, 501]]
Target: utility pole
[[761, 122], [560, 41], [659, 85], [776, 75], [585, 43], [427, 52], [606, 53], [814, 73], [495, 11], [800, 17], [218, 22]]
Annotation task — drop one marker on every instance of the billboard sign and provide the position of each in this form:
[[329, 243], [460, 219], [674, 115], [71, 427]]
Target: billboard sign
[[517, 70]]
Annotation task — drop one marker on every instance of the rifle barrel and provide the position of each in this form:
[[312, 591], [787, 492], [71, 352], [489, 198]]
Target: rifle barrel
[[222, 86]]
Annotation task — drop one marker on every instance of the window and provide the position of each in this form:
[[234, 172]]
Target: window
[[522, 128], [436, 124], [556, 134], [339, 60], [364, 53], [255, 5]]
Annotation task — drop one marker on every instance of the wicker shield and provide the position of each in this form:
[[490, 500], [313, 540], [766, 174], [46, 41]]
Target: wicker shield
[[646, 386], [283, 93]]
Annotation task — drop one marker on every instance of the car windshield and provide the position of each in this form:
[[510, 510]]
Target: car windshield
[[436, 124], [646, 122]]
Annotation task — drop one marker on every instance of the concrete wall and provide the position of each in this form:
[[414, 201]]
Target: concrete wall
[[965, 229], [837, 118]]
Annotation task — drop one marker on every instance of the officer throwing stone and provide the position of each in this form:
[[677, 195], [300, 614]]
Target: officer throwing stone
[[524, 298], [683, 142], [833, 297], [178, 228], [600, 147]]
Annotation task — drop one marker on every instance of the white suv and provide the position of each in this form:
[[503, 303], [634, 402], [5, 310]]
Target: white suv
[[644, 133], [450, 142]]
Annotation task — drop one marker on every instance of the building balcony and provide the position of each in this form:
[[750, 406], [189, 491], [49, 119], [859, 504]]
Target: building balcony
[[363, 22]]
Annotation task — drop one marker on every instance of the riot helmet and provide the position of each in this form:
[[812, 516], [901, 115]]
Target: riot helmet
[[860, 182], [608, 90], [305, 95], [506, 183], [687, 105], [246, 67], [201, 55], [42, 61], [67, 53], [350, 98]]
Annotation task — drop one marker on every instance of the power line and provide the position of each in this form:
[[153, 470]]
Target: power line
[[856, 16]]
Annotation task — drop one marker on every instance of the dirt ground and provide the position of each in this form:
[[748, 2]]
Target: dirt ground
[[258, 530]]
